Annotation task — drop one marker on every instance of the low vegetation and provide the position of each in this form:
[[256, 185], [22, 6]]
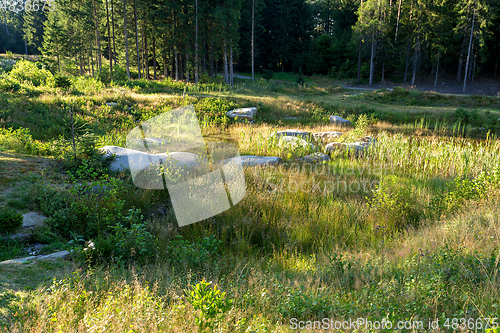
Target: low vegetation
[[408, 230]]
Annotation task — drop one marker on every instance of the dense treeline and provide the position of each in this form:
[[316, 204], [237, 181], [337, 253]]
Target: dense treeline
[[184, 39]]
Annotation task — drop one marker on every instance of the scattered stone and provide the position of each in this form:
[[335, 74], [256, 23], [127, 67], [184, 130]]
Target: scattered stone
[[251, 160], [316, 157], [22, 237], [53, 256], [339, 121], [356, 147], [243, 113], [293, 142], [32, 220], [326, 135], [291, 133], [112, 104], [121, 162]]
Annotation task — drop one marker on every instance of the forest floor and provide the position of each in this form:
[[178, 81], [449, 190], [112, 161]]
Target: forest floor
[[447, 84], [409, 229]]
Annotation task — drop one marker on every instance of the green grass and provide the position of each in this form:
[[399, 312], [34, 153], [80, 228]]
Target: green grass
[[408, 230]]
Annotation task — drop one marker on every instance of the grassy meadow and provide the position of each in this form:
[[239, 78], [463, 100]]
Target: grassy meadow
[[408, 232]]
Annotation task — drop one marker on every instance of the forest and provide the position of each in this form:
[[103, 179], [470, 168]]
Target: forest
[[367, 40], [360, 206]]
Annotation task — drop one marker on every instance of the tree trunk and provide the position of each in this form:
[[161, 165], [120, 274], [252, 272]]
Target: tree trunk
[[137, 41], [231, 64], [109, 41], [81, 62], [187, 63], [474, 66], [397, 23], [415, 60], [196, 46], [97, 35], [468, 55], [372, 57], [176, 64], [165, 71], [91, 60], [359, 63], [113, 29], [126, 39], [225, 63], [496, 63], [253, 41], [154, 57], [407, 58], [211, 58], [146, 51], [437, 71]]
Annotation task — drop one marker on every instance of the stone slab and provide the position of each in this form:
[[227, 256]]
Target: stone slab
[[339, 121], [243, 113]]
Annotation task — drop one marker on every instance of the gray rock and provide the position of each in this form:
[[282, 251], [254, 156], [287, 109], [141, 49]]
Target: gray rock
[[326, 135], [112, 104], [32, 220], [53, 256], [243, 113], [23, 237], [121, 163], [356, 147], [316, 157], [291, 118], [251, 160], [339, 121], [293, 142], [290, 132]]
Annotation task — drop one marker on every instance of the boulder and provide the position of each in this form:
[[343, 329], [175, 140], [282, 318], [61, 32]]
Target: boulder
[[316, 157], [53, 256], [243, 113], [32, 220], [251, 160], [143, 160], [356, 147], [294, 142], [339, 121], [326, 135], [291, 132]]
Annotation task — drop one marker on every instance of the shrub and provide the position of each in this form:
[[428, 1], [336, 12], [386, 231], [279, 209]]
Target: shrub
[[7, 84], [393, 206], [28, 72], [210, 304], [61, 81], [10, 220]]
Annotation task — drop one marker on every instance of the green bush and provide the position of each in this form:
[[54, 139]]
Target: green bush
[[393, 206], [106, 76], [7, 84], [10, 220], [61, 81], [28, 72]]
